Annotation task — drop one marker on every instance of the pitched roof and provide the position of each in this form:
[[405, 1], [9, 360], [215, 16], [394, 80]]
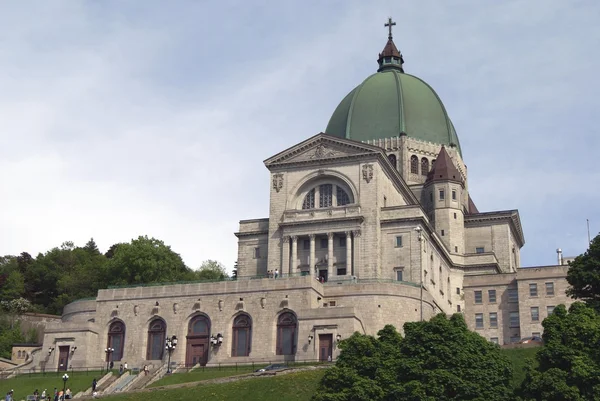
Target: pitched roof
[[444, 169], [390, 50], [472, 208]]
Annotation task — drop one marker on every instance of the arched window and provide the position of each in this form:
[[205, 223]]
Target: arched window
[[157, 332], [286, 334], [414, 164], [116, 339], [309, 200], [242, 336], [432, 164], [392, 159], [326, 195], [19, 354], [424, 166], [197, 346]]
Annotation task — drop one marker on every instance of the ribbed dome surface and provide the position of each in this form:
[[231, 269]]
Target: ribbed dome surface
[[389, 103]]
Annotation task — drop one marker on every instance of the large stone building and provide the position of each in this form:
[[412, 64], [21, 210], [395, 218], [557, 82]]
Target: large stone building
[[370, 223]]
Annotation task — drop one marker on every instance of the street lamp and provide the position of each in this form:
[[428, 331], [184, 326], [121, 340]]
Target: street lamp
[[65, 378], [108, 352], [170, 345]]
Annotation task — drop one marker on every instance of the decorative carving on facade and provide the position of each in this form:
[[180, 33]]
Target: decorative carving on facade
[[286, 239], [356, 233], [263, 302], [136, 310], [221, 304], [277, 181], [367, 172], [175, 307], [322, 152], [197, 305]]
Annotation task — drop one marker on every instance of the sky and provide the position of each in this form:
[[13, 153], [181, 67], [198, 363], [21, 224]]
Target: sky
[[128, 118]]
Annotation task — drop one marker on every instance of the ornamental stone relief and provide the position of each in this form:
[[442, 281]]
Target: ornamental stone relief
[[321, 152], [367, 172], [277, 181]]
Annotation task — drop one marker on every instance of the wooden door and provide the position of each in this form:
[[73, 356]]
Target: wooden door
[[197, 352], [325, 347], [63, 357]]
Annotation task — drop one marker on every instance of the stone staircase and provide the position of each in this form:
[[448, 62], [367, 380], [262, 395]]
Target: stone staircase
[[99, 385], [115, 384]]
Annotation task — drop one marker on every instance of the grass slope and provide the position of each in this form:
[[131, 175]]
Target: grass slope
[[519, 358], [25, 385], [203, 374], [293, 386]]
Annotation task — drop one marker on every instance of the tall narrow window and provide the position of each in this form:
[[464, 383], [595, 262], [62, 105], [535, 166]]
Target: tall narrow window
[[535, 314], [242, 336], [453, 194], [116, 339], [399, 241], [309, 200], [533, 290], [342, 196], [479, 320], [549, 310], [478, 297], [286, 334], [514, 319], [442, 194], [492, 296], [513, 295], [325, 195], [392, 159], [549, 289], [493, 319], [156, 338], [424, 166], [414, 164]]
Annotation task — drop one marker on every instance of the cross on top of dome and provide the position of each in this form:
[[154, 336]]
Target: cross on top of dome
[[389, 25], [390, 57]]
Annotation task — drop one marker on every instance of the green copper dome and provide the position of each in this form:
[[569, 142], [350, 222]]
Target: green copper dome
[[390, 103]]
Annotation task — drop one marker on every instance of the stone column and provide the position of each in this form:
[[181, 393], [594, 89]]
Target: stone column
[[312, 254], [349, 252], [357, 256], [285, 255], [294, 262], [329, 255]]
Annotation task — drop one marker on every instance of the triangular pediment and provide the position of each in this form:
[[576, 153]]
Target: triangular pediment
[[320, 148]]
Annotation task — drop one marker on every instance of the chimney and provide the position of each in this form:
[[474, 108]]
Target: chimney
[[559, 256]]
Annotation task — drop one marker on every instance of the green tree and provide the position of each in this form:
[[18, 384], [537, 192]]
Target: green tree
[[211, 270], [145, 260], [91, 247], [436, 360], [569, 361], [10, 333], [584, 276]]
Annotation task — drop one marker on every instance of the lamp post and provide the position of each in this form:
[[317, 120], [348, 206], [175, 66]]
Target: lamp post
[[108, 352], [65, 378], [170, 345]]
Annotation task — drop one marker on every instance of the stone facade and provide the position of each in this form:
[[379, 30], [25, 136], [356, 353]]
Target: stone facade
[[354, 241]]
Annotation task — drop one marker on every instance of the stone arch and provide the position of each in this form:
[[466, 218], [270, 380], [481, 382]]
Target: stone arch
[[317, 178], [116, 339], [287, 333], [414, 164], [197, 339], [241, 334], [157, 332], [392, 159]]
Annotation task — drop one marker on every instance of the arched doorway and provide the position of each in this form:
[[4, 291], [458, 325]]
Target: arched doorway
[[198, 341], [157, 332], [242, 336], [286, 334], [116, 339]]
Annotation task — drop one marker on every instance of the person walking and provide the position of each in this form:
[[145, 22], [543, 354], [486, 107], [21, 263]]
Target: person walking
[[94, 384]]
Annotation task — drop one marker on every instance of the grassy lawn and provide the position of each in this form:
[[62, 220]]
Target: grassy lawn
[[26, 384], [204, 374], [293, 386], [518, 357]]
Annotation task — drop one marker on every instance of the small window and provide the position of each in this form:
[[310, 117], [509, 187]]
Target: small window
[[550, 289], [549, 310], [533, 290], [324, 243], [457, 290], [399, 275], [514, 319], [342, 242], [442, 233], [306, 244], [399, 241], [455, 249], [442, 195], [536, 334], [454, 216], [480, 249], [332, 303], [494, 340], [493, 319], [535, 314], [492, 296], [454, 198], [479, 320], [257, 252], [513, 295], [515, 339], [458, 308], [478, 297], [341, 271]]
